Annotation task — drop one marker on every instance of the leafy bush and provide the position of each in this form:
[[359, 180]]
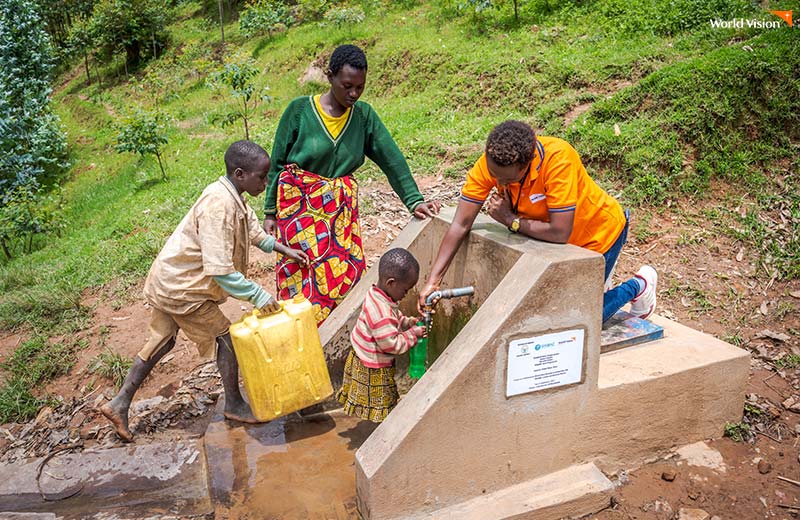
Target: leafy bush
[[344, 16], [265, 16], [26, 212], [33, 150], [238, 77], [145, 134]]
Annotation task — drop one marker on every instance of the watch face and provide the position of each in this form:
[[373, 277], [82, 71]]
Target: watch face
[[515, 225]]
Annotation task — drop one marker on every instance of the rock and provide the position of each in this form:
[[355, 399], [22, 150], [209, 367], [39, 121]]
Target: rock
[[77, 420], [669, 475], [145, 404], [43, 417], [792, 404], [98, 401], [313, 74], [764, 467], [692, 514]]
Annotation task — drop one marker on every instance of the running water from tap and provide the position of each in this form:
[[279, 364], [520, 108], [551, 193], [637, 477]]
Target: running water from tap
[[418, 355]]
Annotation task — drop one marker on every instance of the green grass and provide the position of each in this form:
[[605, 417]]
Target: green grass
[[112, 366], [693, 105], [738, 432], [33, 364]]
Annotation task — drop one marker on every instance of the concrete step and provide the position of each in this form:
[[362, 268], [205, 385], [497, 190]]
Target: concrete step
[[570, 493], [139, 480]]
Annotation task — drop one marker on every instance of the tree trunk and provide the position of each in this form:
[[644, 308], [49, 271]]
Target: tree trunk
[[133, 55], [86, 64], [5, 248], [221, 22], [163, 173]]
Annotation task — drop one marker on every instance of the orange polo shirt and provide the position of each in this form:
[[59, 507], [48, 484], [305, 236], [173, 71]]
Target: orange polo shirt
[[556, 182]]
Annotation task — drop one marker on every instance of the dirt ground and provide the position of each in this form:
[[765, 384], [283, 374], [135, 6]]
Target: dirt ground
[[707, 281]]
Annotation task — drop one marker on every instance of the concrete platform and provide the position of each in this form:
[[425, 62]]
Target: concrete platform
[[570, 493], [167, 478]]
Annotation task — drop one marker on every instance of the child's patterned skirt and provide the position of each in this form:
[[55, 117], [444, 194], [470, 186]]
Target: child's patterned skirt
[[368, 393]]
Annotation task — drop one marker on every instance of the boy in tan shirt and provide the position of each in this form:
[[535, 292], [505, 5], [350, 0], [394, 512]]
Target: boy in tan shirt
[[205, 260]]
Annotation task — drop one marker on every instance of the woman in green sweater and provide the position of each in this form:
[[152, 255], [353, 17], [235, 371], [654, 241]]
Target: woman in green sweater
[[312, 196]]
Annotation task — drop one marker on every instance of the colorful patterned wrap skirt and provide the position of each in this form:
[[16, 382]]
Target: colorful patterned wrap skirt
[[368, 393], [319, 216]]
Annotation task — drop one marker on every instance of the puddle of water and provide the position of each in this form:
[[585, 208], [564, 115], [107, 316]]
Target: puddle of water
[[288, 469]]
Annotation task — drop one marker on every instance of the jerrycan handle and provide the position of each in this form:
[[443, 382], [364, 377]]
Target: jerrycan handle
[[260, 313]]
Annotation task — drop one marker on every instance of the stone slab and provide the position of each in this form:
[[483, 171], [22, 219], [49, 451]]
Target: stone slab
[[141, 479], [573, 492]]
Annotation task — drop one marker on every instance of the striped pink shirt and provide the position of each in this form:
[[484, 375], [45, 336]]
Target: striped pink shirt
[[381, 331]]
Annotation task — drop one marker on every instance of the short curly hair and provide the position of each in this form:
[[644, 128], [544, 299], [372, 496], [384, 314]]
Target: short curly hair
[[398, 263], [511, 142], [347, 55], [245, 155]]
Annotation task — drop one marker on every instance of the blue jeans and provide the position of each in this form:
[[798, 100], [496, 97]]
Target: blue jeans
[[614, 299]]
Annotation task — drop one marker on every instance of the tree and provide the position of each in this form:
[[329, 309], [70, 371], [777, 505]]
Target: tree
[[136, 27], [264, 16], [145, 134], [32, 146], [238, 76]]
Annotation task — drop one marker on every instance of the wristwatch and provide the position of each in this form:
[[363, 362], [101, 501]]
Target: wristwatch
[[514, 227]]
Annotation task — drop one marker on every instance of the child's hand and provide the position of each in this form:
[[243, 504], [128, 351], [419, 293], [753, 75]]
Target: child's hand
[[300, 257], [419, 331], [270, 307]]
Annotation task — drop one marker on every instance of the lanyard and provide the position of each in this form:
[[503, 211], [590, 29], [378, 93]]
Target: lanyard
[[515, 206]]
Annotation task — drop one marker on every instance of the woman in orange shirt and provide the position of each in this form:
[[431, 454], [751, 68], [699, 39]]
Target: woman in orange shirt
[[544, 192]]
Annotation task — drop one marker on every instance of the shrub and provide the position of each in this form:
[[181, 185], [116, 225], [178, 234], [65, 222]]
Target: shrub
[[264, 16], [26, 211], [238, 77], [344, 16], [145, 134]]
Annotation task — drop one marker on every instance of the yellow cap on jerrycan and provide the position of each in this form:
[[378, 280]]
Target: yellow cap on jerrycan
[[281, 360]]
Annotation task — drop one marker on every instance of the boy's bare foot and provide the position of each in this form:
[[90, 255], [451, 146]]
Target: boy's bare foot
[[119, 420], [241, 413]]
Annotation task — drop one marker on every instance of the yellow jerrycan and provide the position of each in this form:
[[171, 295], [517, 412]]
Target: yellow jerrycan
[[281, 360]]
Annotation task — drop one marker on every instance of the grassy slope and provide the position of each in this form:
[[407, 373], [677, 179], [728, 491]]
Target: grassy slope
[[440, 84]]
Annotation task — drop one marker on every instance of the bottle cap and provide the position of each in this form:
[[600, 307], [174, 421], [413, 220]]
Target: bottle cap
[[299, 298]]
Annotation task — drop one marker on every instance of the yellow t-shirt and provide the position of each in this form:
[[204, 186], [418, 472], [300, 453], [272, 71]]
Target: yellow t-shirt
[[557, 182], [335, 125]]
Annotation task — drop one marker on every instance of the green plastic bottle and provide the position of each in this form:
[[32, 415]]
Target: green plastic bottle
[[418, 356]]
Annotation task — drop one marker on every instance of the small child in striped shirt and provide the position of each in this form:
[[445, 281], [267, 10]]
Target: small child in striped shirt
[[369, 390]]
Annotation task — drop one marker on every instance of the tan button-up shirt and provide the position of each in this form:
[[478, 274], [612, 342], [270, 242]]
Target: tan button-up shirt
[[212, 239]]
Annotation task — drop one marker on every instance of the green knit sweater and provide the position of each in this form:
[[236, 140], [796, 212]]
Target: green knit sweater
[[302, 139]]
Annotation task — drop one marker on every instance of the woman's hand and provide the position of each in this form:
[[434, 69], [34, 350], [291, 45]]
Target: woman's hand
[[299, 256], [423, 294], [271, 225], [427, 209], [499, 209]]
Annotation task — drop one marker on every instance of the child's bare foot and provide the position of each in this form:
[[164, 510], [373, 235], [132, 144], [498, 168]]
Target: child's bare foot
[[241, 413], [118, 419]]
